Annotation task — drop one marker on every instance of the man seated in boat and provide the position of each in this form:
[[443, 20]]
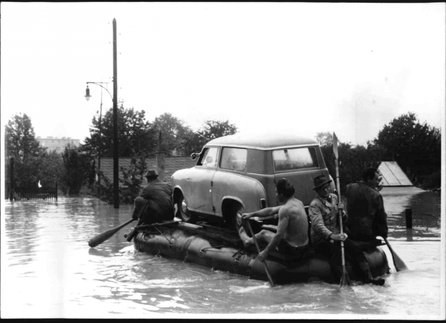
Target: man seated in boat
[[291, 238], [326, 234], [155, 201]]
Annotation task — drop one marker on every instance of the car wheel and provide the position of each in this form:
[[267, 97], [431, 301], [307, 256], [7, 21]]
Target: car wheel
[[236, 217], [182, 211]]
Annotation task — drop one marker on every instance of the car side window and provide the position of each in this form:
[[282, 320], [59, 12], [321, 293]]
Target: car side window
[[295, 158], [209, 158], [234, 159]]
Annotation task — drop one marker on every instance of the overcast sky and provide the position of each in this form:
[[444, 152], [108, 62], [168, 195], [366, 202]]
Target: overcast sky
[[306, 68]]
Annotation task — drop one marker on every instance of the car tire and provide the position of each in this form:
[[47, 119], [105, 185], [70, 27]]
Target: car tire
[[236, 217], [183, 212]]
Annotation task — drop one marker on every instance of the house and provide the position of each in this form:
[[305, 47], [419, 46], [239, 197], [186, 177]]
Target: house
[[57, 144]]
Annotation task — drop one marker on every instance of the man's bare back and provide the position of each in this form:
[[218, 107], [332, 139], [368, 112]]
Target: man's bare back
[[296, 232]]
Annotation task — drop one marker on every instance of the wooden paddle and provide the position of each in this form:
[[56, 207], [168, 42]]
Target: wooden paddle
[[345, 279], [100, 238], [397, 261], [258, 250]]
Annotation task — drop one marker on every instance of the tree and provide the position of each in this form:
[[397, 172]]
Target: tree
[[175, 134], [135, 135], [77, 170], [21, 144], [215, 129], [414, 146], [324, 138], [52, 169], [133, 178], [352, 161]]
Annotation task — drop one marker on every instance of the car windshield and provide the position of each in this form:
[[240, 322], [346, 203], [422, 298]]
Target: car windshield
[[208, 158], [294, 158]]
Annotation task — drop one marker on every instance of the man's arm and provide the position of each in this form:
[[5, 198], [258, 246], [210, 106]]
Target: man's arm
[[317, 222], [381, 219], [263, 213], [281, 229]]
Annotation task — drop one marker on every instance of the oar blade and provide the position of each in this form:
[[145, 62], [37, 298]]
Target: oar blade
[[95, 241], [335, 146], [399, 263], [100, 238]]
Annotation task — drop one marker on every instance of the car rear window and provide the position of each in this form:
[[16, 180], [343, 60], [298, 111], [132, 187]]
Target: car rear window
[[234, 159], [294, 158]]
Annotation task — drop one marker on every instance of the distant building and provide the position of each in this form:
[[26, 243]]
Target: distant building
[[57, 144]]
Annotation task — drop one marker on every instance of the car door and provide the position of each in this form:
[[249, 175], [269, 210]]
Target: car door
[[199, 199], [229, 180]]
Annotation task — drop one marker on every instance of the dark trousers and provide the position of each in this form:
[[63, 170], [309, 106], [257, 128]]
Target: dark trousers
[[352, 251]]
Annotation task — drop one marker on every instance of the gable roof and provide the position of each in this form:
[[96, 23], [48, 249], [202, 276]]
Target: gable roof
[[172, 164], [393, 175]]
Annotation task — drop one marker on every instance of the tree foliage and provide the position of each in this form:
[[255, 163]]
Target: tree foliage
[[352, 161], [414, 146], [77, 169], [52, 170], [324, 138], [135, 135], [215, 129], [174, 134], [22, 146]]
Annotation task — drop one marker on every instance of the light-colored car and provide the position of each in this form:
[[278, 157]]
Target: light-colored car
[[238, 173]]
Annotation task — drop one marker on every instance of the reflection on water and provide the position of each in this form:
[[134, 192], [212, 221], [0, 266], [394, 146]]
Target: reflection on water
[[424, 209], [48, 270]]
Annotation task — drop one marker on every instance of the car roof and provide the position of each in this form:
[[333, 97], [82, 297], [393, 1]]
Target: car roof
[[262, 140]]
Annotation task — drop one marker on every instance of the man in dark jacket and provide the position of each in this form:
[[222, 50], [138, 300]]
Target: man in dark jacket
[[365, 208], [155, 201], [325, 232]]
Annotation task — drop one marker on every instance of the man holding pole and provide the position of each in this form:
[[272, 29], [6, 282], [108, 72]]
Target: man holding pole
[[326, 233], [350, 247]]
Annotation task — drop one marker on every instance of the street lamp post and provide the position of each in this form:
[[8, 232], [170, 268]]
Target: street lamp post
[[88, 96], [115, 117]]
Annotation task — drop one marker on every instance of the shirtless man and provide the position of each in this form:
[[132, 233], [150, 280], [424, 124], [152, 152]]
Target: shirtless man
[[291, 237]]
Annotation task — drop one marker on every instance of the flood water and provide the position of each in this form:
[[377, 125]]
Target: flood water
[[48, 271]]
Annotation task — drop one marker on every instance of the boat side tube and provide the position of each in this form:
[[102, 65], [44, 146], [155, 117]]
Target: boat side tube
[[177, 244]]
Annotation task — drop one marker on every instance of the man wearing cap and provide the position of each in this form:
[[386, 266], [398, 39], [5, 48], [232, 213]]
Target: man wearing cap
[[155, 201], [325, 231]]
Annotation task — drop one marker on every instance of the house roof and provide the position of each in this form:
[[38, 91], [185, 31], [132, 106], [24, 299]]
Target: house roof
[[172, 164], [393, 175]]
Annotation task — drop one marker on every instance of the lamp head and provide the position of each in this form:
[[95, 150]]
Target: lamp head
[[87, 93]]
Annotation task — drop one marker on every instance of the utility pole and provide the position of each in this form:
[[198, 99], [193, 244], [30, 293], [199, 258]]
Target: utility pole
[[115, 121]]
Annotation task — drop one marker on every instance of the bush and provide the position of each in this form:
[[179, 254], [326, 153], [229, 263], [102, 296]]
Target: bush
[[430, 182]]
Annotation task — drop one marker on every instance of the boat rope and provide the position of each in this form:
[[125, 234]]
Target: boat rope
[[237, 256], [203, 250], [170, 242]]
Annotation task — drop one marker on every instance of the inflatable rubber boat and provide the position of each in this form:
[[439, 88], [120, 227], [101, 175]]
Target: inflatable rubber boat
[[222, 249]]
